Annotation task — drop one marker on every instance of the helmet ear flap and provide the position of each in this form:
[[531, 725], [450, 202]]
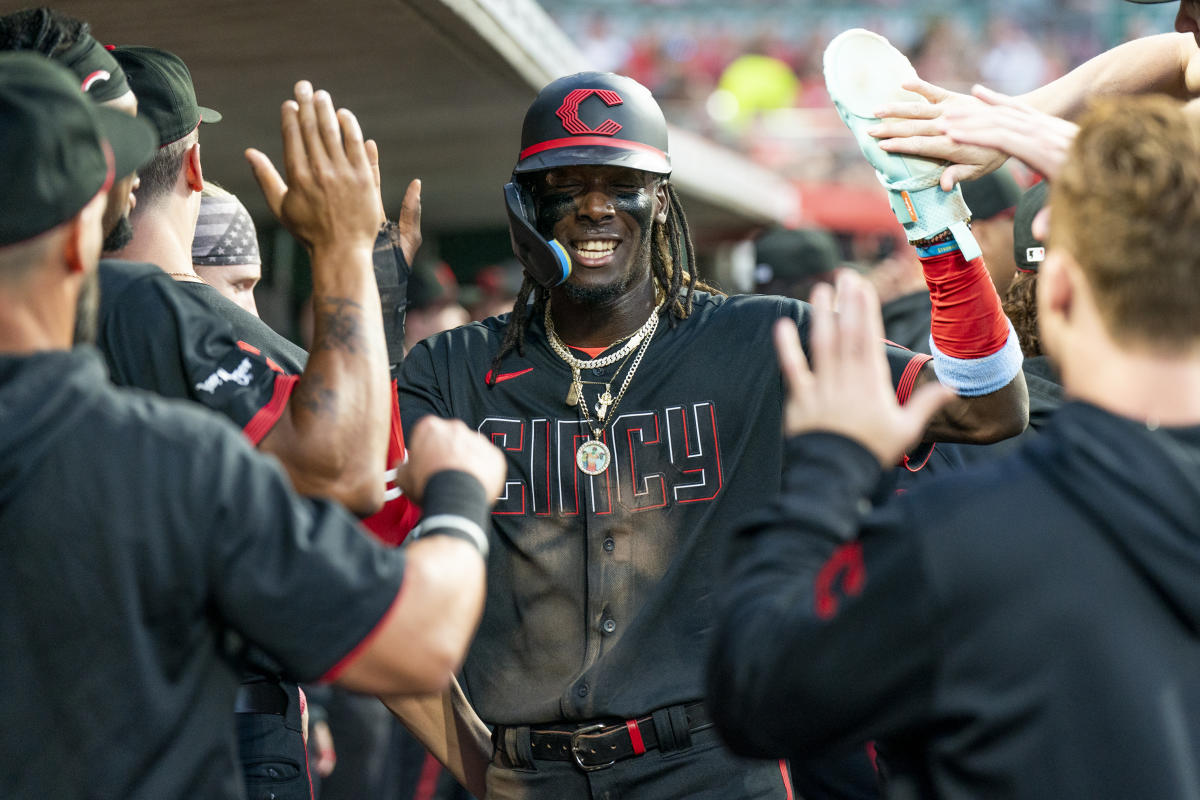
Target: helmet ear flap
[[546, 262]]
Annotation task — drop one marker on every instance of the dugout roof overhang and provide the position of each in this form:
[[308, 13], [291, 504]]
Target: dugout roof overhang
[[440, 84]]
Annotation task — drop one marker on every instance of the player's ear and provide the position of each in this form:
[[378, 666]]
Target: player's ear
[[84, 233], [664, 201], [191, 168], [1056, 287]]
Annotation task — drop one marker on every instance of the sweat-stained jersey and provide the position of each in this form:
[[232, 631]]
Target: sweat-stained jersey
[[599, 588]]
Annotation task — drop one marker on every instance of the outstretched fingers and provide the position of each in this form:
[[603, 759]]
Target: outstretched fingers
[[329, 128], [410, 220], [295, 155], [269, 181], [931, 92], [352, 141]]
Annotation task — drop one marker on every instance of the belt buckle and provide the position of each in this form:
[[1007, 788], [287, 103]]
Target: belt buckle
[[575, 745]]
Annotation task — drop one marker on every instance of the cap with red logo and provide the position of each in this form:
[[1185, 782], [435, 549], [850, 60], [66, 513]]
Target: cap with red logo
[[594, 118]]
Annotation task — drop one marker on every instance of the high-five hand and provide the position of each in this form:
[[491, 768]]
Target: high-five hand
[[848, 389], [329, 196]]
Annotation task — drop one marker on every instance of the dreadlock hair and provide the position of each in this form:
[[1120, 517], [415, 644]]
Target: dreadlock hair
[[671, 253], [42, 30], [1020, 306]]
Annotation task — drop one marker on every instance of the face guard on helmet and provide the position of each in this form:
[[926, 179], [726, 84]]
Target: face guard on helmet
[[591, 118]]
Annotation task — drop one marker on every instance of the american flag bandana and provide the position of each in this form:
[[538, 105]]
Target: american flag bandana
[[225, 233]]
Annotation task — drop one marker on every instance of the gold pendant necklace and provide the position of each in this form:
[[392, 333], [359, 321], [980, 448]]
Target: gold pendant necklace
[[593, 455]]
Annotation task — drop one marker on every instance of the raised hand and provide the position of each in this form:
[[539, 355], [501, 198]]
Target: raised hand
[[848, 390], [916, 129], [409, 222], [329, 196], [1009, 126]]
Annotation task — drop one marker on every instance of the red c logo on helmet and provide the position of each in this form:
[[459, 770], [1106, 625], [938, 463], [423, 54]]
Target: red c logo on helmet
[[568, 112]]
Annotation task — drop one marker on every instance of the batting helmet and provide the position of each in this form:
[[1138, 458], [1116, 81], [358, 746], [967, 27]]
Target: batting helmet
[[594, 118]]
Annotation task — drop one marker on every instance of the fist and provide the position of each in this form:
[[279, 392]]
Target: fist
[[437, 444]]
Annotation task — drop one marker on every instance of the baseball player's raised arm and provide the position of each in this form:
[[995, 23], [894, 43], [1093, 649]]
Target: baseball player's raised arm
[[333, 435], [1167, 63], [824, 637], [379, 620]]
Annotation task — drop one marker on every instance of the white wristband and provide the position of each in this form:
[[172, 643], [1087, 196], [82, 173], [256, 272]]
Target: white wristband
[[974, 377], [453, 522]]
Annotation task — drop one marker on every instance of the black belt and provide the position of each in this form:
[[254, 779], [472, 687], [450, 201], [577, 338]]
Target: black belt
[[602, 744], [261, 698]]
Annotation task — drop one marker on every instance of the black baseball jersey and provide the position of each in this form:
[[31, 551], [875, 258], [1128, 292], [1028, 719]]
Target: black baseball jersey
[[600, 588], [157, 336], [145, 543], [187, 341], [1027, 629], [282, 354]]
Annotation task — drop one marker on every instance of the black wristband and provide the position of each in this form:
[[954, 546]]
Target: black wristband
[[455, 504], [453, 491]]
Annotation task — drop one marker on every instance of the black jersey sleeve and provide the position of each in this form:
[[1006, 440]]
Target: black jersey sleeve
[[298, 578], [419, 388], [825, 637], [157, 337]]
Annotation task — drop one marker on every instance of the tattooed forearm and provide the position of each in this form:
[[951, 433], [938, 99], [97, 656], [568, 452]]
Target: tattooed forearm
[[314, 394], [338, 324]]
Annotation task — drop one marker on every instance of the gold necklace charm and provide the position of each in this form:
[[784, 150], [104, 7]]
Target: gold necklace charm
[[593, 456], [602, 403]]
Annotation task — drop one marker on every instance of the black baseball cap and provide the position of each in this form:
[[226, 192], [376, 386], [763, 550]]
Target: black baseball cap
[[163, 87], [1149, 2], [783, 254], [991, 195], [57, 147], [1029, 252]]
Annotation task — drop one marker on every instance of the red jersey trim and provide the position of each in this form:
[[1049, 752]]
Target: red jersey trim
[[348, 659], [908, 378], [262, 422], [787, 779]]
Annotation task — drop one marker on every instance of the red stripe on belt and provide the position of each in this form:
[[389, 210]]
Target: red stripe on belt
[[635, 736]]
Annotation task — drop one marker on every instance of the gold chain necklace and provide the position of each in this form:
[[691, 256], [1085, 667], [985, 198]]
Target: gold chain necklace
[[593, 456]]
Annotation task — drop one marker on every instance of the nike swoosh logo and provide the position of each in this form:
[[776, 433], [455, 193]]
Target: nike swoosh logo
[[504, 376]]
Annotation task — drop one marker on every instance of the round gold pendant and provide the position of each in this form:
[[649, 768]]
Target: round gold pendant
[[593, 457]]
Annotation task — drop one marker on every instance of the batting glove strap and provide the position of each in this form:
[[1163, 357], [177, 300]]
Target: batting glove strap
[[974, 377], [925, 210]]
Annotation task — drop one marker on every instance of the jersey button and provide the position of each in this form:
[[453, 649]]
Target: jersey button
[[582, 691], [609, 545], [609, 626], [598, 371]]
